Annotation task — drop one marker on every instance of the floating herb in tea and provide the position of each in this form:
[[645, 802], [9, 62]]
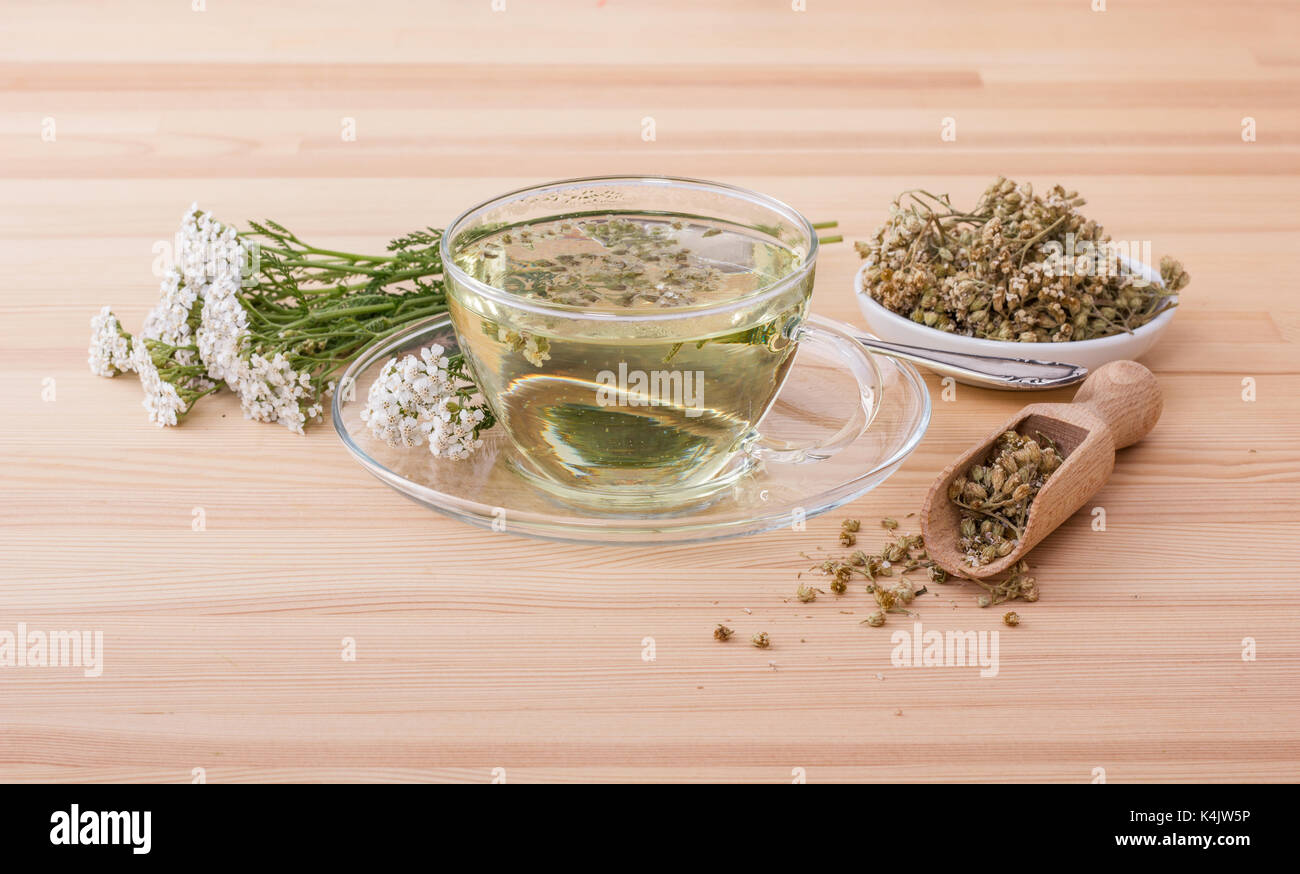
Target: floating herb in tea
[[1018, 266], [616, 262]]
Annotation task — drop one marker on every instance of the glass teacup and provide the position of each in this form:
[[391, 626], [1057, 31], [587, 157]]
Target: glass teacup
[[630, 333]]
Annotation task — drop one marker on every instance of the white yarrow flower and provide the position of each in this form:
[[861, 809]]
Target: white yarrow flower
[[110, 346], [208, 251], [170, 319], [418, 399], [222, 335], [270, 390], [454, 435], [162, 399]]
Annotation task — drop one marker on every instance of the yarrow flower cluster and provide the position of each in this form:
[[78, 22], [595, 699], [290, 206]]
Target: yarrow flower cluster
[[427, 398], [172, 379], [110, 346], [269, 386], [176, 315], [274, 320]]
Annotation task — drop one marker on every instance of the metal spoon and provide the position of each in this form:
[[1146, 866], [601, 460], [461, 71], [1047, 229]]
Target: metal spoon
[[990, 371]]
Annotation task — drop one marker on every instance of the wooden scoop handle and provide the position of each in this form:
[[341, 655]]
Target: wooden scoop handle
[[1124, 395]]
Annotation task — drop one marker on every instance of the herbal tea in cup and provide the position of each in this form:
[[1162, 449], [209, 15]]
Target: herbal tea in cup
[[630, 333]]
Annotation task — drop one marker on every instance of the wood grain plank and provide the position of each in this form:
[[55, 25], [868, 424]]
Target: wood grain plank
[[478, 650]]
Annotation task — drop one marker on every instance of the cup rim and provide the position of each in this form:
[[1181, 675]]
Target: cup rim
[[760, 295]]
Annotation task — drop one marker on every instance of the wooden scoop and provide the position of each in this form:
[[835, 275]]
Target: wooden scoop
[[1115, 407]]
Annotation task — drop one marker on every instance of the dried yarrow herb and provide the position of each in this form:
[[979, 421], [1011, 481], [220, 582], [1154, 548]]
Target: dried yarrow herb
[[805, 593], [1018, 584], [722, 632], [1019, 266], [907, 553], [995, 496]]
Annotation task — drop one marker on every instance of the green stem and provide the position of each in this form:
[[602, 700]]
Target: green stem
[[343, 312], [334, 253], [350, 269]]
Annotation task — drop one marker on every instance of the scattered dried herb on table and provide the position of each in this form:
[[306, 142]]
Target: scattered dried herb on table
[[1015, 585], [1019, 266], [807, 594], [886, 572]]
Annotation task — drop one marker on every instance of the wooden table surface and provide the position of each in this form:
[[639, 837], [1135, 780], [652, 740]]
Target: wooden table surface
[[480, 651]]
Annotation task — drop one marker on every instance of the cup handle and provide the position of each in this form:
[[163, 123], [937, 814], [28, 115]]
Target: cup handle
[[845, 348]]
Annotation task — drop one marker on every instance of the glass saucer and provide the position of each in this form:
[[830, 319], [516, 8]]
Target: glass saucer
[[824, 390]]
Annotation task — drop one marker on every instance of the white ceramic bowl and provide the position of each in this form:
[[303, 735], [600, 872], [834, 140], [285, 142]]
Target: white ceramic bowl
[[889, 325]]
